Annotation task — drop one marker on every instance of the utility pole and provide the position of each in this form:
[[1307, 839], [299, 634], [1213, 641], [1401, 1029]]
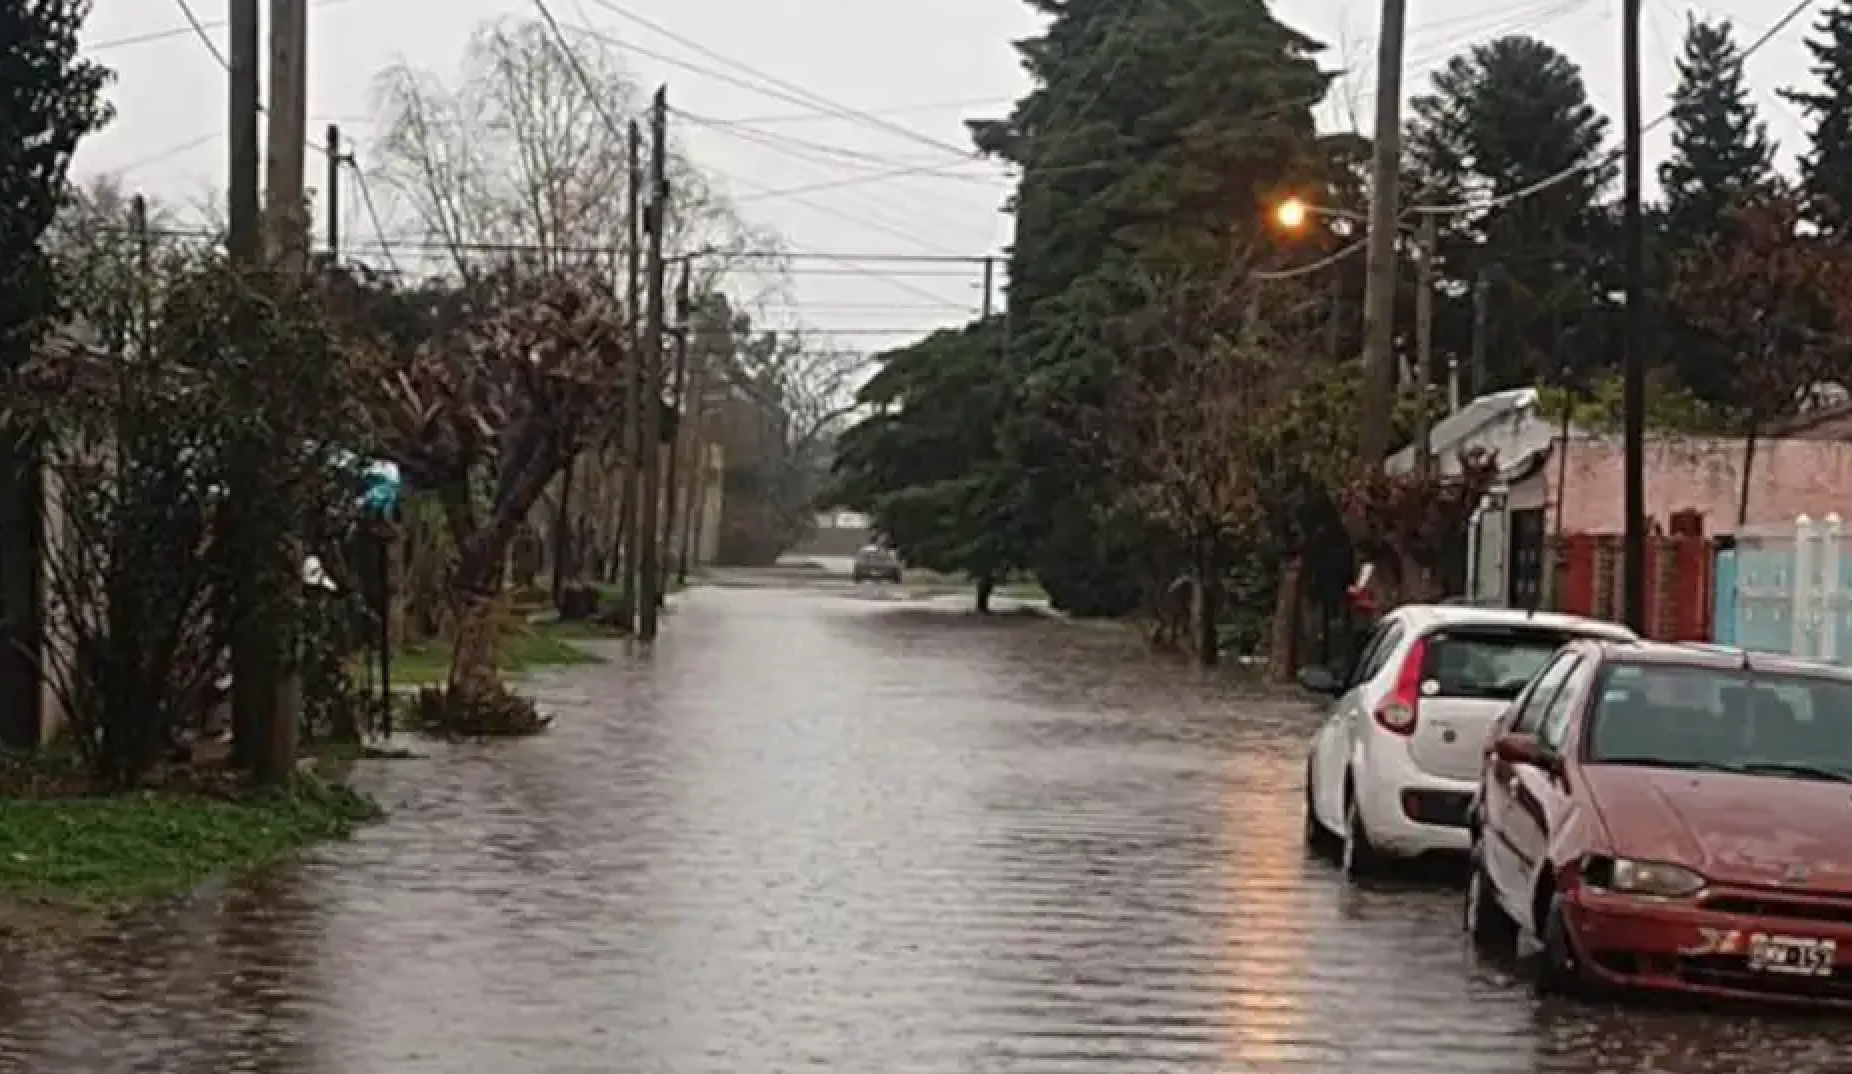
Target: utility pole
[[253, 696], [287, 236], [1482, 308], [695, 414], [671, 515], [1424, 344], [649, 574], [1385, 211], [242, 183], [990, 285], [285, 226], [335, 160], [633, 387], [1633, 556]]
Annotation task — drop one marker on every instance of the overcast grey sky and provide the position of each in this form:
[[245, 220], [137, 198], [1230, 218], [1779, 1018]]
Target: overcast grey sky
[[922, 66]]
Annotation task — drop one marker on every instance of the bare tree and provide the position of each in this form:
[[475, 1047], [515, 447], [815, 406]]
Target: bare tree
[[528, 149], [486, 411]]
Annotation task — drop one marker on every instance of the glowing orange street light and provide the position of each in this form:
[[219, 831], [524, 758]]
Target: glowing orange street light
[[1292, 213]]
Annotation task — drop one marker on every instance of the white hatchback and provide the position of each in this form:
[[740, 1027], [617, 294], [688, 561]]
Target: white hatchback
[[1393, 769]]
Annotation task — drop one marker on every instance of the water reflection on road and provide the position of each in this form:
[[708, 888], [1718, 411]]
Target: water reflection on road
[[821, 832]]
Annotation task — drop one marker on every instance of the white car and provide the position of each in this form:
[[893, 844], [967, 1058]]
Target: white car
[[1393, 769]]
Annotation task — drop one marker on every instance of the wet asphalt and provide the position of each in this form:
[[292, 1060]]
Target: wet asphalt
[[820, 829]]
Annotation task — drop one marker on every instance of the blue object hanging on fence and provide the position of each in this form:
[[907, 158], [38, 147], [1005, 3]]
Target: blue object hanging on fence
[[381, 484], [383, 487]]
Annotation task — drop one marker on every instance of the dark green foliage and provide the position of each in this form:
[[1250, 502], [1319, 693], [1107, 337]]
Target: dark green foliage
[[143, 437], [928, 466], [1722, 157], [1826, 166], [1722, 161], [50, 99], [1499, 119], [1157, 138]]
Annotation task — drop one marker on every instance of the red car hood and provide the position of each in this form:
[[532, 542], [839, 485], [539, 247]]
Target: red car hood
[[1736, 829]]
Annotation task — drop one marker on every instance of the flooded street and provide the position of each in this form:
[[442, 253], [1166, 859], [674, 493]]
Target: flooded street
[[822, 832]]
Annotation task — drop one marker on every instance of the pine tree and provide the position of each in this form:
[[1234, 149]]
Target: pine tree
[[1826, 168], [1721, 154], [1722, 161], [1501, 119], [1157, 137]]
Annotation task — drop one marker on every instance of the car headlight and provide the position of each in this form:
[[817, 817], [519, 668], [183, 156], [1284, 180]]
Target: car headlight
[[1655, 879]]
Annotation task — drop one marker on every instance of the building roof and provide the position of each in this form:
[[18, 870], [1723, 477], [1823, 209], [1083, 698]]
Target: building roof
[[1790, 478]]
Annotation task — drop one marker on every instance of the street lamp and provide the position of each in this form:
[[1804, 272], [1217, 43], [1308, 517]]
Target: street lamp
[[1291, 214]]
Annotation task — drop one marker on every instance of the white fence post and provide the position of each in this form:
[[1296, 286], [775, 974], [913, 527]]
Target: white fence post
[[1801, 586], [1827, 614]]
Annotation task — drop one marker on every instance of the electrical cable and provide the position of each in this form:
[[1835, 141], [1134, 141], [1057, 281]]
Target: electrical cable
[[366, 199], [195, 27], [807, 97], [171, 151], [199, 31], [590, 89]]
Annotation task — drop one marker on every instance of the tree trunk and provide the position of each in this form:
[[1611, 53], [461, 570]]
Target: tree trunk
[[1749, 463], [986, 585], [1283, 652], [1208, 612], [475, 674]]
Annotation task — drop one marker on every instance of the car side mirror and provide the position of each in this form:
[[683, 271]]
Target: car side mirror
[[1515, 748], [1320, 680]]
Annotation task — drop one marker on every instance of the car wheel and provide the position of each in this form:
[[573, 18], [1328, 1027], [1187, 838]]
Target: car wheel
[[1361, 859], [1318, 838], [1559, 967], [1491, 928]]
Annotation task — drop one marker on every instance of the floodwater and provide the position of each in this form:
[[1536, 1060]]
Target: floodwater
[[816, 831]]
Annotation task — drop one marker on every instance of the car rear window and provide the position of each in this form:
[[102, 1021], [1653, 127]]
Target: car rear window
[[1487, 662], [1698, 717]]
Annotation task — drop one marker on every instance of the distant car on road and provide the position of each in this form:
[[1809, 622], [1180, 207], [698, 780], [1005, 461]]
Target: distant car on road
[[876, 563], [1672, 818], [1393, 770]]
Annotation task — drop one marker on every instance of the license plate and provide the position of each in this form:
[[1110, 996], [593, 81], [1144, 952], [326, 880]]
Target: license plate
[[1792, 955]]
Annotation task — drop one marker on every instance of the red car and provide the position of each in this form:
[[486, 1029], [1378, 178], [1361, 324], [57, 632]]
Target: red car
[[1672, 818]]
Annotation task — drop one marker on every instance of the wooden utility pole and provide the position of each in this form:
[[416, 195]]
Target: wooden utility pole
[[286, 227], [242, 183], [1378, 400], [335, 160], [1424, 344], [287, 237], [649, 572], [990, 286], [1633, 236], [671, 515], [253, 687], [633, 389]]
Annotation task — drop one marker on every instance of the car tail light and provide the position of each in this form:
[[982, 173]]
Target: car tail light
[[1400, 710]]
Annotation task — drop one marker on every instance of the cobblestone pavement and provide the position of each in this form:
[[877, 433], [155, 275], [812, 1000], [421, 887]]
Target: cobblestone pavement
[[822, 831]]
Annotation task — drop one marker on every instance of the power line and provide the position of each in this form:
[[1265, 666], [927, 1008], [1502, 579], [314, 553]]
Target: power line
[[905, 110], [196, 26], [199, 30], [366, 199], [171, 151], [616, 129], [807, 97]]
